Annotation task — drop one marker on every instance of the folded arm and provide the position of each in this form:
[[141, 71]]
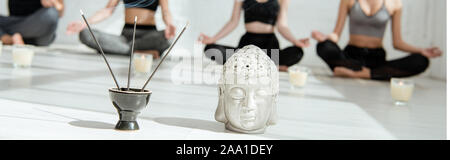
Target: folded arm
[[282, 26], [102, 14], [398, 41], [229, 26]]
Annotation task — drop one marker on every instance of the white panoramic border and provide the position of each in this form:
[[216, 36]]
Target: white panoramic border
[[448, 72]]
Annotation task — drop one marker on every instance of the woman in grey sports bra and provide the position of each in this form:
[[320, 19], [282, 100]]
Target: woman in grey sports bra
[[364, 57]]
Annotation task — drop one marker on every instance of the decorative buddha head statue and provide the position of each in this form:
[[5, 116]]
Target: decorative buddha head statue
[[248, 91]]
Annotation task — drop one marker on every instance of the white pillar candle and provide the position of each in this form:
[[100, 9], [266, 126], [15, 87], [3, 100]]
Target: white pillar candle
[[22, 55], [298, 76], [142, 62], [401, 90]]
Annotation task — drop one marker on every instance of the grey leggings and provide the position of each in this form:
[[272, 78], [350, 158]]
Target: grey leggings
[[37, 29], [147, 38]]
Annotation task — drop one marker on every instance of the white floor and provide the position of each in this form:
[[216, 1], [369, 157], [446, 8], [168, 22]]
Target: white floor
[[64, 96]]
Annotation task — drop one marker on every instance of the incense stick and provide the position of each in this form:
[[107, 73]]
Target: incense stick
[[167, 53], [101, 50], [132, 53]]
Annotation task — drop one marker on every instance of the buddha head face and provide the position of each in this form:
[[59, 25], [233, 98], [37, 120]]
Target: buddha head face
[[248, 90]]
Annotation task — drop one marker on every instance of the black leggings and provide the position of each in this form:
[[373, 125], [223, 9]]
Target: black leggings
[[267, 42], [355, 58]]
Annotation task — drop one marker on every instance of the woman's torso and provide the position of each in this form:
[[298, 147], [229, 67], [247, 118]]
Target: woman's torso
[[23, 7], [367, 29], [260, 15], [143, 9]]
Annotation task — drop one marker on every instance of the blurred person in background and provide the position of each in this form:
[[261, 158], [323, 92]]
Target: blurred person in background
[[364, 56], [148, 39], [31, 22], [262, 18]]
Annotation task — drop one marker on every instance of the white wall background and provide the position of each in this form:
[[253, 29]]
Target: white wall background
[[424, 24]]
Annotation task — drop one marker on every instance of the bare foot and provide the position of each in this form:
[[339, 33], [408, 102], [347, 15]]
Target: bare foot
[[7, 39], [319, 36], [345, 72], [283, 68], [152, 52], [17, 39]]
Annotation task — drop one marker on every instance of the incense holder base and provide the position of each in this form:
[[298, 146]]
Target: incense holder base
[[127, 125], [129, 104]]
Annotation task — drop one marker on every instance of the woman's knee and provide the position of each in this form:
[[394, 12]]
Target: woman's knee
[[51, 14], [327, 49], [421, 62], [42, 23], [295, 52], [210, 46], [163, 45], [290, 56], [84, 36], [49, 18], [212, 50], [216, 53]]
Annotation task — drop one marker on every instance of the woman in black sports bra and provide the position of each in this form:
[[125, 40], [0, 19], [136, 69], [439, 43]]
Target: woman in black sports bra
[[148, 39], [262, 17]]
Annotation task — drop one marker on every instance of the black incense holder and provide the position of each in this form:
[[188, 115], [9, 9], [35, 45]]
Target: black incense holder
[[129, 104]]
